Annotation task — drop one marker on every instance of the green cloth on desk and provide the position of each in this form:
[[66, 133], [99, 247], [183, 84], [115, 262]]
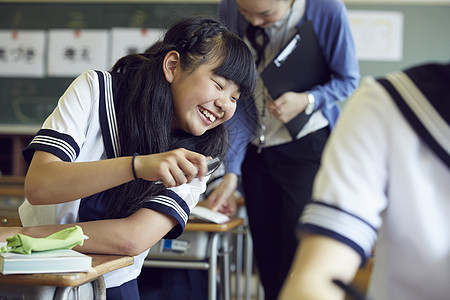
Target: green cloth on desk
[[64, 239]]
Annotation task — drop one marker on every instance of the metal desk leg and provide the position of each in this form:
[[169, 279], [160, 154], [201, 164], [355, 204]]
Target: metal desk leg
[[248, 262], [62, 293], [239, 249], [212, 272], [226, 266], [92, 290], [99, 288]]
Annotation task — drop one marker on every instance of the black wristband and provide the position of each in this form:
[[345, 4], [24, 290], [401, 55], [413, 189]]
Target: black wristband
[[132, 166]]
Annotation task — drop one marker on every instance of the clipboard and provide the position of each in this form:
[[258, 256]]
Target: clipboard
[[298, 67]]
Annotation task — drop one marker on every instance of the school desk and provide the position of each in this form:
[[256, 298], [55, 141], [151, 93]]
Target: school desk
[[12, 187], [219, 238], [82, 285], [59, 286]]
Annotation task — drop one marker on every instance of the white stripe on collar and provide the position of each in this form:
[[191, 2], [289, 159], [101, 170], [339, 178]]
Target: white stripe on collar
[[422, 108]]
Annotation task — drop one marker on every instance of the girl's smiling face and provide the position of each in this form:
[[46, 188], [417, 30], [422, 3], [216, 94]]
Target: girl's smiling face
[[202, 99]]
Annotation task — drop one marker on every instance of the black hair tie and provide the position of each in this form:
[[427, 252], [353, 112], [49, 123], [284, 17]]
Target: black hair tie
[[132, 166]]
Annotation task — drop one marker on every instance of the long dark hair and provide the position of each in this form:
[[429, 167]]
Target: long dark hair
[[145, 105]]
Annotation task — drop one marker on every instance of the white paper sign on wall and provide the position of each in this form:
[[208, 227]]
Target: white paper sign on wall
[[126, 41], [70, 52], [22, 53], [378, 35]]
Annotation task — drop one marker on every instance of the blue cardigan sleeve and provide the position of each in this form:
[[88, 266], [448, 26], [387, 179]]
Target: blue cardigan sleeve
[[241, 128], [332, 27], [330, 21]]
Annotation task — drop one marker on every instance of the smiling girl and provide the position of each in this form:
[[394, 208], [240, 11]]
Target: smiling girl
[[157, 115]]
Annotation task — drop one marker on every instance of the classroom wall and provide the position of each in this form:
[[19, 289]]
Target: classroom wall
[[426, 35], [426, 38], [29, 100]]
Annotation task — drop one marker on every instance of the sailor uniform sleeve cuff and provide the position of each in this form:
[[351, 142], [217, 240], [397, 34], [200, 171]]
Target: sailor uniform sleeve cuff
[[168, 202]]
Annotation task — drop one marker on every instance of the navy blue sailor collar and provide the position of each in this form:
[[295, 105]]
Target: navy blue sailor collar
[[108, 90]]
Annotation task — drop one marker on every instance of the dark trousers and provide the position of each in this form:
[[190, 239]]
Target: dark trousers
[[277, 185], [127, 291], [173, 284]]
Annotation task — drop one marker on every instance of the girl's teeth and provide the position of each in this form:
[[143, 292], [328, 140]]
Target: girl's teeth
[[208, 115]]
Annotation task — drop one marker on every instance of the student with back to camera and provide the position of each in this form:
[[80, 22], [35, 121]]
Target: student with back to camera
[[167, 104], [279, 166], [384, 184]]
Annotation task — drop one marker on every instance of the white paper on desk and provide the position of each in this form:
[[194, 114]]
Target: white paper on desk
[[207, 214], [70, 52], [378, 35], [22, 53], [126, 41]]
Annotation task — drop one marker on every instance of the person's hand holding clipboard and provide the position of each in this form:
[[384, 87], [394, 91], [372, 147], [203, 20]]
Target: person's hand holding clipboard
[[299, 67], [287, 106]]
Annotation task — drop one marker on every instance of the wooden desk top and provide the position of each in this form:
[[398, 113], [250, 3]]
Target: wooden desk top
[[12, 191], [12, 180], [199, 225], [12, 186], [101, 264]]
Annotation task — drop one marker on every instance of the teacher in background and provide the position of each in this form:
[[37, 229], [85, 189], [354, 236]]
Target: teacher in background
[[278, 168]]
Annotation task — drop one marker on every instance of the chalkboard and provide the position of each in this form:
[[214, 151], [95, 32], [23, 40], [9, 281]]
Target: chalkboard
[[30, 100]]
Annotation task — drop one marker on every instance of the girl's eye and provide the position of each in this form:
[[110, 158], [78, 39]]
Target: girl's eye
[[243, 12], [234, 99], [218, 85]]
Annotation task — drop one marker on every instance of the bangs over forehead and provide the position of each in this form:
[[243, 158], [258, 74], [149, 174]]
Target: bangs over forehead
[[204, 40], [236, 63]]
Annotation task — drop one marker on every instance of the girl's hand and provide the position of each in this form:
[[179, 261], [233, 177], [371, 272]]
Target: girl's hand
[[173, 168], [223, 199]]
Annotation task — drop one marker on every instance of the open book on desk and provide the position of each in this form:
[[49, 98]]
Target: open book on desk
[[298, 67], [52, 261]]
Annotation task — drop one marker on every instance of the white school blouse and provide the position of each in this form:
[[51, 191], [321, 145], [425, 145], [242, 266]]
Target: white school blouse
[[83, 128], [379, 182]]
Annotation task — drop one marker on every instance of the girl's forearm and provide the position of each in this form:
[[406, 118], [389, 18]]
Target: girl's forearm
[[318, 261], [128, 236], [50, 181]]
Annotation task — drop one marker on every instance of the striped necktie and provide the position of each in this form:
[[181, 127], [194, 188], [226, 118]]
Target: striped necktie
[[259, 40]]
